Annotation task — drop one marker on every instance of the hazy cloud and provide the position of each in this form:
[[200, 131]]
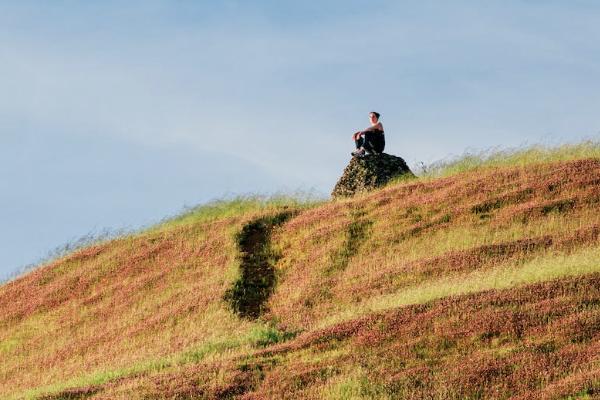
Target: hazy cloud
[[93, 91]]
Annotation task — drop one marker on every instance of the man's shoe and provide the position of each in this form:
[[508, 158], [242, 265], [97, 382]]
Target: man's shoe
[[358, 153]]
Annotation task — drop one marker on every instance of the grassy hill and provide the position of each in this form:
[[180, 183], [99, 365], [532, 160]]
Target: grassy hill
[[481, 279]]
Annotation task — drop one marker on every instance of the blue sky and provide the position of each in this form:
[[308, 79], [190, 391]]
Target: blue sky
[[117, 114]]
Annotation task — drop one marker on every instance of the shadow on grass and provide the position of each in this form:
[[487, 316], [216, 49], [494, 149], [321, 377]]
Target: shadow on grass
[[356, 233], [249, 293]]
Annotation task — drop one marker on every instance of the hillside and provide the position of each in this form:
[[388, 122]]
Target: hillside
[[478, 283]]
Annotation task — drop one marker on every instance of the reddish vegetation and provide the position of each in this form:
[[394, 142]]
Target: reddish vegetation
[[404, 215], [99, 307], [539, 341], [140, 298], [478, 258]]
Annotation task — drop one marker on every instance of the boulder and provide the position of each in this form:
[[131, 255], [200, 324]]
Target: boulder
[[369, 172]]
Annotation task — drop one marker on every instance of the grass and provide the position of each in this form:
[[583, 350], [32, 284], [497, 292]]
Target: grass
[[463, 237], [149, 307], [355, 386], [89, 239], [355, 235], [219, 348], [309, 293], [267, 335], [256, 277], [543, 268], [211, 211], [238, 205], [104, 376], [515, 157]]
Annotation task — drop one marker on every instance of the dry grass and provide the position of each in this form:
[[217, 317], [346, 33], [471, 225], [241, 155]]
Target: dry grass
[[409, 243], [387, 295]]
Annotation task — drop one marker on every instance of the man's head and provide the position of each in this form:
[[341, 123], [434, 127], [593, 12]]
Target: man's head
[[374, 116]]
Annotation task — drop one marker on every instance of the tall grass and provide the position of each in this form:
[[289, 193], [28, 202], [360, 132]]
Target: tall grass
[[218, 348], [239, 205], [207, 212], [89, 239], [543, 268], [354, 386], [511, 157], [191, 264]]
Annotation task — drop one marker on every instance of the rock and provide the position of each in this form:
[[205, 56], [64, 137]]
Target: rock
[[368, 173]]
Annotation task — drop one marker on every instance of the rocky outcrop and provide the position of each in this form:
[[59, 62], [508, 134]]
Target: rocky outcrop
[[368, 173]]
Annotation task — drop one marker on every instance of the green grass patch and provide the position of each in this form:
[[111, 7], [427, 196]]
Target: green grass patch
[[266, 335], [259, 335], [6, 346], [355, 386], [141, 368], [95, 378]]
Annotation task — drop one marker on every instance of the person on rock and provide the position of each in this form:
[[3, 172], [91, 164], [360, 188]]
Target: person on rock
[[371, 140]]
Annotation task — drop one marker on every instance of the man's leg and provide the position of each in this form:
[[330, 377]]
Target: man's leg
[[368, 142], [359, 142], [378, 142]]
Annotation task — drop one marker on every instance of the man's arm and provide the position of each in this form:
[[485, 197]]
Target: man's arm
[[377, 126]]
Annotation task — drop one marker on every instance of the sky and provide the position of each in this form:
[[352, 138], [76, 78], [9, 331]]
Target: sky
[[115, 115]]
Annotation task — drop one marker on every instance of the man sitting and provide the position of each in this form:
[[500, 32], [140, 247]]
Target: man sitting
[[371, 140]]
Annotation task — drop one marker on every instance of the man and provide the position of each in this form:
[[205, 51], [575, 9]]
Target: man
[[372, 139]]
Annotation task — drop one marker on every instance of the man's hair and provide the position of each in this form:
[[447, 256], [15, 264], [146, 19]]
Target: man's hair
[[375, 113]]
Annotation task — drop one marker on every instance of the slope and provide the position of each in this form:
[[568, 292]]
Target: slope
[[482, 284]]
